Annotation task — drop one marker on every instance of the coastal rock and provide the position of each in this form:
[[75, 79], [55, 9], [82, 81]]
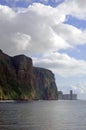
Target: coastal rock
[[44, 83], [24, 76], [20, 80]]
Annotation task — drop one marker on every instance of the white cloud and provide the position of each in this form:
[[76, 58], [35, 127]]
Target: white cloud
[[6, 13], [70, 34], [39, 29], [62, 64], [75, 8], [44, 26], [34, 21], [22, 41], [80, 87]]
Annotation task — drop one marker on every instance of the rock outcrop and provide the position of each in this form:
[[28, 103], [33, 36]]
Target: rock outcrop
[[20, 80], [44, 83]]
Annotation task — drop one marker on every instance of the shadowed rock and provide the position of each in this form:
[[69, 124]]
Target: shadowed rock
[[20, 80]]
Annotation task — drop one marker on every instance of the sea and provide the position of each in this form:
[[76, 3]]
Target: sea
[[43, 115]]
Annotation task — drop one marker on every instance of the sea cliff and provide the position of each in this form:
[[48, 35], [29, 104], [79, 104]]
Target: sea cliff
[[19, 80]]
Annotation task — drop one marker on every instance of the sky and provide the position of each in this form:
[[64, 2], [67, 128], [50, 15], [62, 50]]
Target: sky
[[52, 33]]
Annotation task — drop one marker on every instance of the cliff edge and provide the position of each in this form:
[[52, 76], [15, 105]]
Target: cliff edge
[[19, 80]]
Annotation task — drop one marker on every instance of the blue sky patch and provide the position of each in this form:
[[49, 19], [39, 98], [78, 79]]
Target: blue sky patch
[[25, 3], [79, 52], [76, 22]]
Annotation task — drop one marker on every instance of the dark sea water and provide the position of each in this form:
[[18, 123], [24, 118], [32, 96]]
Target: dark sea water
[[43, 115]]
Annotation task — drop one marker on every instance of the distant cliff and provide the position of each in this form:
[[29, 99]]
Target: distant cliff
[[20, 80], [44, 83]]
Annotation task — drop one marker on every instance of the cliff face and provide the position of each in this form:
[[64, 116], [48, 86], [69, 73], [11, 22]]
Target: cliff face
[[8, 82], [20, 80], [24, 76], [44, 83]]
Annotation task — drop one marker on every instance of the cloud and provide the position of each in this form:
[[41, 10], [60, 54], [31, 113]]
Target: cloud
[[75, 8], [80, 87], [62, 64], [70, 34], [34, 21], [42, 28], [6, 13], [22, 41]]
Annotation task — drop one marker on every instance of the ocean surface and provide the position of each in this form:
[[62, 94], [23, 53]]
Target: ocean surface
[[43, 115]]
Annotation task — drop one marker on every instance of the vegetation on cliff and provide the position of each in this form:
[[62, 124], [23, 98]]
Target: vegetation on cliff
[[20, 80]]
